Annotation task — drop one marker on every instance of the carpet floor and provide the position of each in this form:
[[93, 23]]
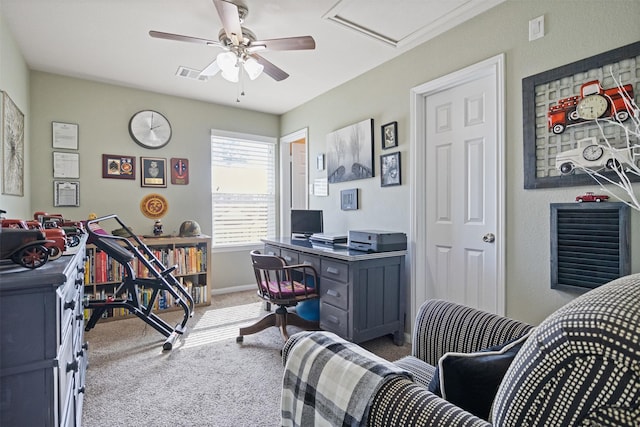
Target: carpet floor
[[206, 380]]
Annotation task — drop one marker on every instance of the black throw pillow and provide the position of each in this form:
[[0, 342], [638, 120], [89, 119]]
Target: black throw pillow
[[471, 380]]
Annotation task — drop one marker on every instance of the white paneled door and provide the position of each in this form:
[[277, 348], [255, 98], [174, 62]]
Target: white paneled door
[[462, 184]]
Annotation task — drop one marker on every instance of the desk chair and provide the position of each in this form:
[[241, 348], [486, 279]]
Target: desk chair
[[285, 286]]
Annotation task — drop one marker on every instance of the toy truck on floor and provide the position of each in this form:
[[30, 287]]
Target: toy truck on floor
[[593, 103]]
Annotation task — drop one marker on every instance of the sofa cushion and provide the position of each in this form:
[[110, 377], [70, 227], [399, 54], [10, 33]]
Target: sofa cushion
[[471, 380]]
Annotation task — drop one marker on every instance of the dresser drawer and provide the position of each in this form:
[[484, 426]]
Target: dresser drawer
[[334, 293], [335, 270], [291, 257], [67, 366], [334, 320]]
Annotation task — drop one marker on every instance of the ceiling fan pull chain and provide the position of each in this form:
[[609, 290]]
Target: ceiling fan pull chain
[[242, 73]]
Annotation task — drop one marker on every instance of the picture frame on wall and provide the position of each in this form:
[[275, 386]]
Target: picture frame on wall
[[66, 193], [350, 152], [12, 134], [179, 171], [118, 166], [390, 169], [153, 172], [389, 135], [554, 124], [349, 199], [66, 165], [64, 135]]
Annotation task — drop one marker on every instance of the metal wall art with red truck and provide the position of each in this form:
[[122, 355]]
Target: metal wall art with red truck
[[593, 103]]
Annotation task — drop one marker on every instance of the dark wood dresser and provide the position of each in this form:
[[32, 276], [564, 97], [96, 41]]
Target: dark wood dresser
[[43, 356]]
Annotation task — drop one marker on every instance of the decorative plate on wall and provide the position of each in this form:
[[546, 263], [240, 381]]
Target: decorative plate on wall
[[154, 206]]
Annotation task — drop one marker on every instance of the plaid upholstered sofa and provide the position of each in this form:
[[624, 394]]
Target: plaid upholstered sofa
[[579, 367]]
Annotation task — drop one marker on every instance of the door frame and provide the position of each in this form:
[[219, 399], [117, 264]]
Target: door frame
[[419, 189], [285, 177]]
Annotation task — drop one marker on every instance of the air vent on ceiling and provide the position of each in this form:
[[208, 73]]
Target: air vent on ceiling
[[589, 244], [190, 73]]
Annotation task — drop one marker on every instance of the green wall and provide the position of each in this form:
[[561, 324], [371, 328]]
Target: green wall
[[14, 81], [102, 112], [383, 94]]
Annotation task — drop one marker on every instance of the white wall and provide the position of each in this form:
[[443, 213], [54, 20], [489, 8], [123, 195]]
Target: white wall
[[383, 94]]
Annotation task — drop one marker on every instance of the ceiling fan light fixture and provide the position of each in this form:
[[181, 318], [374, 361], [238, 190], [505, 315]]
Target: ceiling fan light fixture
[[227, 61], [231, 75], [253, 68]]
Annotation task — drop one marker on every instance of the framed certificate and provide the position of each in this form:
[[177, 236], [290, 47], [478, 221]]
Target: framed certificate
[[66, 165], [66, 193], [64, 135]]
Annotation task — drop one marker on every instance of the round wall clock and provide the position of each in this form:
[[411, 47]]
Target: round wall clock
[[591, 107], [150, 129], [592, 152], [154, 206]]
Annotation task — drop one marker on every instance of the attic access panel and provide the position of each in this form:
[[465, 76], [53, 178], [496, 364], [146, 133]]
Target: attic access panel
[[590, 244]]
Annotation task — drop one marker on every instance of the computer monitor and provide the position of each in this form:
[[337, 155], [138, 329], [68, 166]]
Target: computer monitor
[[306, 222]]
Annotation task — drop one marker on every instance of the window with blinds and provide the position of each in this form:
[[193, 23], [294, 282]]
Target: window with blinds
[[243, 184]]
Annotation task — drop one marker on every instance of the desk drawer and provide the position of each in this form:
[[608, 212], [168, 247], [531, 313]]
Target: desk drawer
[[291, 257], [271, 250], [334, 320], [335, 270], [334, 293], [311, 260]]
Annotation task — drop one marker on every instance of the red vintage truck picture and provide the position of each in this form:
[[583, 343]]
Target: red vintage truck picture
[[593, 103]]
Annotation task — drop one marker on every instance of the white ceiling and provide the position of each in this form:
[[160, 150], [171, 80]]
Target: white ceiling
[[108, 41]]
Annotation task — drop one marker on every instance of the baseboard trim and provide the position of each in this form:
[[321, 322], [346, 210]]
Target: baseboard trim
[[230, 289]]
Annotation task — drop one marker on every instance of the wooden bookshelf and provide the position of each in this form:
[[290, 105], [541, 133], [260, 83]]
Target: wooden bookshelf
[[191, 255]]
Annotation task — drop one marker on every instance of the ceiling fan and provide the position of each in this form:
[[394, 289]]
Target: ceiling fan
[[240, 46]]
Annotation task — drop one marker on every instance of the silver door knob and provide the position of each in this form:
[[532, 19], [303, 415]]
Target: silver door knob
[[489, 238]]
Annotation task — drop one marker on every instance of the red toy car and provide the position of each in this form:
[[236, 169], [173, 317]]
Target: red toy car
[[24, 247], [590, 197], [57, 240]]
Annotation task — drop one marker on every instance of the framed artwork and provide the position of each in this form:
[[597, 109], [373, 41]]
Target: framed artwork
[[153, 172], [118, 167], [64, 135], [179, 171], [66, 165], [66, 193], [389, 135], [350, 152], [12, 133], [349, 199], [390, 167], [571, 105]]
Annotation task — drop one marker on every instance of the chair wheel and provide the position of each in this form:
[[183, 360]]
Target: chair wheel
[[239, 338]]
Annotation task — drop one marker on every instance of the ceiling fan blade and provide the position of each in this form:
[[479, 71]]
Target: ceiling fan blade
[[230, 18], [211, 69], [180, 38], [271, 70], [287, 43]]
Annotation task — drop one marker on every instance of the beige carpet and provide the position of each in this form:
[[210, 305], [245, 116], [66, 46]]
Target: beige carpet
[[206, 380]]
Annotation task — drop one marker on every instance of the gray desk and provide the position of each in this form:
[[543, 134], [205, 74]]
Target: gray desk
[[362, 295]]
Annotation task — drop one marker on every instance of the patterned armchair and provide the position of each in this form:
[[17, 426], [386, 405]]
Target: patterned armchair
[[579, 367]]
